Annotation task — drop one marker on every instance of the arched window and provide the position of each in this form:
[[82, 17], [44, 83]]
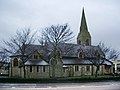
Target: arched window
[[87, 42], [87, 68], [76, 68], [80, 55], [35, 56], [30, 68], [15, 62]]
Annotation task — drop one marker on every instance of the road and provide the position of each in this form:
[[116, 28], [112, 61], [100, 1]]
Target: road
[[111, 85]]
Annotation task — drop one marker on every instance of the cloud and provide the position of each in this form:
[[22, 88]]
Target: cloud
[[102, 17]]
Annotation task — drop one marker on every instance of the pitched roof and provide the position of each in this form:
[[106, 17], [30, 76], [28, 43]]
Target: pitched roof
[[31, 49], [36, 62], [67, 50], [76, 61], [72, 50]]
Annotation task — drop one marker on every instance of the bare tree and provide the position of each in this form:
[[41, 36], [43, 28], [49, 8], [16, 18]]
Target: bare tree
[[3, 55], [110, 53], [56, 35], [96, 57], [67, 49], [104, 48], [4, 58], [18, 44]]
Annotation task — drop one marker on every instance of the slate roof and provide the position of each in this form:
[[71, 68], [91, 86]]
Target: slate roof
[[107, 62], [88, 51], [36, 62], [67, 61], [75, 62], [81, 62], [67, 50]]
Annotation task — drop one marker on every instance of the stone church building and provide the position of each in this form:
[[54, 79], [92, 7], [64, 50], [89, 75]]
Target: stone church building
[[76, 62]]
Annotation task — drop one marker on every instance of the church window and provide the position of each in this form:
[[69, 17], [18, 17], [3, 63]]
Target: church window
[[87, 68], [64, 69], [80, 55], [30, 68], [98, 68], [76, 68], [87, 42], [35, 56], [37, 68], [43, 68], [15, 62]]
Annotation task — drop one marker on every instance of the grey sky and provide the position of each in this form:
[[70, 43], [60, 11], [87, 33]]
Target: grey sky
[[103, 17]]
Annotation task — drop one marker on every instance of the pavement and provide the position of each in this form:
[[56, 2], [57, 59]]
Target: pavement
[[111, 85]]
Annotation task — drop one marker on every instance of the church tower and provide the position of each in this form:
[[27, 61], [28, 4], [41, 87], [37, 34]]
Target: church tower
[[84, 37]]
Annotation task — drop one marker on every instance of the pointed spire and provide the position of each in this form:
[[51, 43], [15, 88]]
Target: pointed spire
[[84, 37], [83, 22]]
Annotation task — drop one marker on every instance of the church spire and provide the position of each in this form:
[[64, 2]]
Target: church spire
[[83, 27], [84, 37]]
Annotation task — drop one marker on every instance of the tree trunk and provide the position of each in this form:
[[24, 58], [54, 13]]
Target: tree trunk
[[11, 69], [96, 73], [53, 71], [92, 70], [24, 71]]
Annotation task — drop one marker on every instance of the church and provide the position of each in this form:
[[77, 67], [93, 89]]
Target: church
[[79, 61]]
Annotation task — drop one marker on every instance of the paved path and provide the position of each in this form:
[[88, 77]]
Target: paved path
[[63, 86]]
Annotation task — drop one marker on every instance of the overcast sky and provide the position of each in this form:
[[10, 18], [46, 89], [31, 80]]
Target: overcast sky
[[103, 17]]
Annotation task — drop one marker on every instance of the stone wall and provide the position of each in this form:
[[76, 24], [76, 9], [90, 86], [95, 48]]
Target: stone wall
[[37, 74], [14, 71], [82, 70], [60, 70]]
